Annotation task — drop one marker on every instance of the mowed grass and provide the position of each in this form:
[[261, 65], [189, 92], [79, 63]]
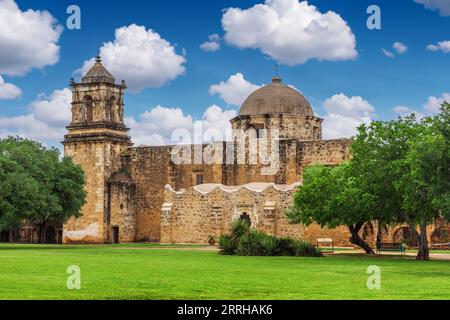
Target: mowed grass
[[149, 272]]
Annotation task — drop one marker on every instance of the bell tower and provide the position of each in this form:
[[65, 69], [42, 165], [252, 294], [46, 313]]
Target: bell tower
[[97, 137]]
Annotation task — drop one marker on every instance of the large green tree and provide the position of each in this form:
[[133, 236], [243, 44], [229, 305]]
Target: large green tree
[[37, 186], [405, 163], [332, 197], [399, 173]]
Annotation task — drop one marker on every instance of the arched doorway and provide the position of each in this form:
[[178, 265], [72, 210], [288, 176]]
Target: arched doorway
[[245, 217], [406, 234]]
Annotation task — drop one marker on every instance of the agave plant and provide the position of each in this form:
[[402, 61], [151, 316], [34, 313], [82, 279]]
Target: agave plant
[[227, 245], [239, 228]]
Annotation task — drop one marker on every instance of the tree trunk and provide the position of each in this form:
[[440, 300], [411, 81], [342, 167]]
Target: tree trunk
[[424, 251], [357, 240], [42, 228]]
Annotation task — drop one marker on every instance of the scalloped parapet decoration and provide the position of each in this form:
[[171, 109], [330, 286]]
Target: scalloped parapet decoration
[[259, 187]]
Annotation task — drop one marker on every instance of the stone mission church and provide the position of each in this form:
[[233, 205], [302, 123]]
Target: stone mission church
[[139, 194]]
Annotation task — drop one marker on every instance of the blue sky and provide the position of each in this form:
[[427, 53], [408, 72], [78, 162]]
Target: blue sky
[[382, 83]]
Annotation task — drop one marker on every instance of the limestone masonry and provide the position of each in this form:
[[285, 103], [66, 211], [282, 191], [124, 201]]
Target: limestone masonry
[[140, 194]]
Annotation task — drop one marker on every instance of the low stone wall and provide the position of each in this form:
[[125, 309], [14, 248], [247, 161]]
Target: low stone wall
[[198, 213]]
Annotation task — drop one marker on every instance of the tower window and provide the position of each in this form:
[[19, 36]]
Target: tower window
[[88, 109], [112, 108]]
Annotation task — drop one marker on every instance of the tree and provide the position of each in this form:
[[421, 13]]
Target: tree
[[17, 194], [399, 173], [331, 197], [426, 184], [405, 163], [40, 187]]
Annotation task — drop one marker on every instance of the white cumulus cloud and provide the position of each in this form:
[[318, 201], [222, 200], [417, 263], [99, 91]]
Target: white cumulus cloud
[[344, 115], [45, 121], [431, 107], [405, 111], [212, 45], [140, 57], [235, 90], [443, 46], [433, 104], [442, 5], [28, 39], [9, 90], [290, 32], [156, 126]]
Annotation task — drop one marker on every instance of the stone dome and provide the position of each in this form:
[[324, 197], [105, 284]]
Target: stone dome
[[276, 98]]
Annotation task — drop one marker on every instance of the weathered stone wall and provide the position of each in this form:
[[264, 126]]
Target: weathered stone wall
[[327, 152], [151, 168], [123, 216], [97, 160], [193, 215], [289, 126]]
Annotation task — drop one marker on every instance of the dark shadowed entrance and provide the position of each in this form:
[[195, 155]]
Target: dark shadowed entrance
[[246, 218], [115, 234]]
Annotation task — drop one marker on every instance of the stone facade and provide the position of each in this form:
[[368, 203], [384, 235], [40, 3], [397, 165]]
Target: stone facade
[[141, 194], [201, 212]]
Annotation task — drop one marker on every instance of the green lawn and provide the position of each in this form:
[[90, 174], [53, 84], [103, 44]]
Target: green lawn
[[141, 272]]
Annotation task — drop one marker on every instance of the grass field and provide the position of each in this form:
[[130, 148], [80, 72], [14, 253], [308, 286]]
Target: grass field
[[148, 272]]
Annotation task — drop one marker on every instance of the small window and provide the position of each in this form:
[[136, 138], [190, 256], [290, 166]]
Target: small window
[[199, 179], [316, 133]]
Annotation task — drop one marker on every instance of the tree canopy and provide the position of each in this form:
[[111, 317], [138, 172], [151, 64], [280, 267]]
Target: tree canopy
[[37, 186], [398, 173]]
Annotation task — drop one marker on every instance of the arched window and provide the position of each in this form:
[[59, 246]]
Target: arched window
[[108, 109], [112, 110], [88, 109]]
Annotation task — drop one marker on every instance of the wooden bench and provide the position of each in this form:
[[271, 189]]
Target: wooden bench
[[442, 246], [385, 246], [325, 241]]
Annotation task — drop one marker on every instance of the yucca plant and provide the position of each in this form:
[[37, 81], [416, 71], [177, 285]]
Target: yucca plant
[[227, 245], [239, 227]]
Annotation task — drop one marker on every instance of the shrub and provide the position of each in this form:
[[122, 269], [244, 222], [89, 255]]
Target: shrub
[[249, 244], [245, 242], [307, 249], [269, 245], [227, 245], [287, 247], [239, 227]]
